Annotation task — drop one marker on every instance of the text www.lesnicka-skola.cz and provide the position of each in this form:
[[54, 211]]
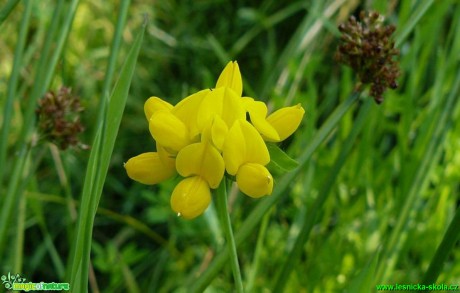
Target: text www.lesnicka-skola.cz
[[418, 287]]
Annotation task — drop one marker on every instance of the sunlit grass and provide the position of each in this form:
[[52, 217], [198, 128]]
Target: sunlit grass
[[376, 188]]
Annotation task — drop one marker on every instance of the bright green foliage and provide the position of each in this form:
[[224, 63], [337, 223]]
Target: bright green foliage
[[369, 201]]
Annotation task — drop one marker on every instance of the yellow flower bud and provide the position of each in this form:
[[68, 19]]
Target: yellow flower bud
[[201, 159], [154, 104], [147, 168], [254, 180], [286, 120], [191, 197], [231, 78], [169, 131]]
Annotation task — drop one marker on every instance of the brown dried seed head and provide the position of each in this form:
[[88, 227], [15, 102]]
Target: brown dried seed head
[[59, 118], [367, 47]]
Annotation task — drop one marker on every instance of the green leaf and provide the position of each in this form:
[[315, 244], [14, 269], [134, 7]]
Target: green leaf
[[280, 162]]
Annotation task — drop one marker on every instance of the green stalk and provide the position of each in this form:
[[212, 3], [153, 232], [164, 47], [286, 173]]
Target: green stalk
[[114, 50], [97, 169], [11, 201], [407, 28], [8, 202], [448, 242], [102, 114], [324, 193], [222, 209], [267, 203], [257, 253], [6, 10], [19, 247], [12, 86]]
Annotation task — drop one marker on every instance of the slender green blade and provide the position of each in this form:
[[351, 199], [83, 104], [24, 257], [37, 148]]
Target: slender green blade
[[6, 9], [98, 167]]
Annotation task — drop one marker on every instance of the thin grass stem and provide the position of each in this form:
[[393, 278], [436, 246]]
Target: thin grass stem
[[222, 209], [12, 86], [98, 166], [6, 10]]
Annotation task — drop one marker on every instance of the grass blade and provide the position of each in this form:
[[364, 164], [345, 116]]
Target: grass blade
[[6, 10], [97, 170], [12, 85]]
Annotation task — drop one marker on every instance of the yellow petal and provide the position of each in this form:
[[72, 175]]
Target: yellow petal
[[215, 133], [244, 144], [201, 159], [147, 168], [256, 149], [222, 102], [254, 180], [232, 107], [191, 197], [168, 131], [234, 151], [286, 120], [219, 132], [187, 111], [231, 77], [154, 104], [258, 113]]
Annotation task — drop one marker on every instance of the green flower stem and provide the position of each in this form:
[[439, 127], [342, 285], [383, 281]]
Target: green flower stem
[[450, 238], [267, 203], [222, 209], [257, 253]]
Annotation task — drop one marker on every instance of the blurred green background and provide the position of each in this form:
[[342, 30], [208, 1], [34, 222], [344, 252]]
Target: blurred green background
[[285, 52]]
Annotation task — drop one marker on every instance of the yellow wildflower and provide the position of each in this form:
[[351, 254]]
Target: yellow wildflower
[[207, 135]]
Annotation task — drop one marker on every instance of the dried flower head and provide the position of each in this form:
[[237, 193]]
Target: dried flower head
[[368, 48], [59, 118]]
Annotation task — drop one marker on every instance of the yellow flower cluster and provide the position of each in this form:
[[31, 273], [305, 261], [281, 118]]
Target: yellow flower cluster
[[205, 135]]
